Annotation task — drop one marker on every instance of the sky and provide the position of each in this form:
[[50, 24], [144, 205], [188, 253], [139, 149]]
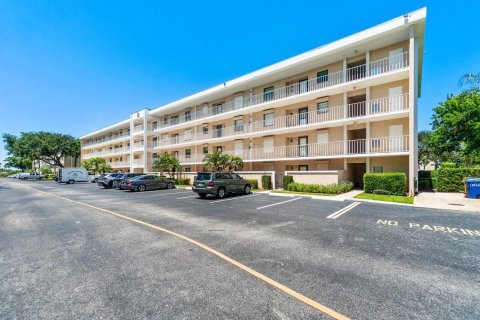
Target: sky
[[77, 66]]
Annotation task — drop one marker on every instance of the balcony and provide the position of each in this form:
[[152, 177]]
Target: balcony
[[335, 149], [363, 71], [108, 152], [372, 108], [119, 164], [107, 139]]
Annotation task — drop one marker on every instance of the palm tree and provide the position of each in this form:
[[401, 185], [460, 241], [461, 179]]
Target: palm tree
[[167, 163], [471, 79], [96, 165], [234, 163], [215, 160]]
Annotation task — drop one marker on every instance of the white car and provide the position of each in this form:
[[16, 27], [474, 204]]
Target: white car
[[93, 177], [30, 176]]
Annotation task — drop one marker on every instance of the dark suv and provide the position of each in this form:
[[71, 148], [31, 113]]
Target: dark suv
[[220, 184]]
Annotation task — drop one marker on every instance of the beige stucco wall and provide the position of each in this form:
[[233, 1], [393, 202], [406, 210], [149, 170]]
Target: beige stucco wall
[[319, 177]]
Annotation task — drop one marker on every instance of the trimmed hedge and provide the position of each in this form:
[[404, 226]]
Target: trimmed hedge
[[452, 179], [267, 182], [254, 183], [286, 181], [394, 183], [341, 187], [182, 181]]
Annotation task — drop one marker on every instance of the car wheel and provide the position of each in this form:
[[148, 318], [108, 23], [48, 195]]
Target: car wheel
[[202, 195], [96, 180], [170, 185], [25, 178], [221, 193], [141, 188], [110, 185], [71, 181], [247, 189]]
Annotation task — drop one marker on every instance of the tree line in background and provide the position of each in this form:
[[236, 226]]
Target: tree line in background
[[455, 134], [48, 147]]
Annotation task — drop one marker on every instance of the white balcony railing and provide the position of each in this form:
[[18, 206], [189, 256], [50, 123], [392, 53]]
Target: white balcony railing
[[376, 67], [119, 164], [354, 110], [138, 163], [138, 128], [107, 139], [107, 152], [383, 145]]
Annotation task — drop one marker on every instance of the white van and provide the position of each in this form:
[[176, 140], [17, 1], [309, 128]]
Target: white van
[[30, 176], [72, 175]]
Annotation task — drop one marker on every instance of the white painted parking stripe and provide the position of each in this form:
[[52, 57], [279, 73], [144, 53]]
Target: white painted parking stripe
[[236, 198], [276, 204], [342, 211]]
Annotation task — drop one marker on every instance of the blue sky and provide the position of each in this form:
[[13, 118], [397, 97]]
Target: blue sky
[[76, 66]]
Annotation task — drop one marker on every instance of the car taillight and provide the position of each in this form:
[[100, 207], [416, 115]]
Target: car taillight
[[210, 184], [120, 180], [129, 181]]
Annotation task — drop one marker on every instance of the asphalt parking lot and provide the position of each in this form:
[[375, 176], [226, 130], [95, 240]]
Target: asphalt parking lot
[[80, 251]]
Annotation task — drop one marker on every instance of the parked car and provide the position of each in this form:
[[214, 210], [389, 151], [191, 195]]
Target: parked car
[[93, 177], [107, 181], [147, 182], [124, 177], [220, 184], [30, 176]]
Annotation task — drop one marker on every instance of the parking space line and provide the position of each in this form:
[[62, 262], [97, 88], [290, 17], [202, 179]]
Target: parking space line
[[312, 303], [276, 204], [342, 211], [236, 198]]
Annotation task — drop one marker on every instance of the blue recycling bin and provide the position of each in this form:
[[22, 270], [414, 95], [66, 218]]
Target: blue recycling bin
[[472, 188]]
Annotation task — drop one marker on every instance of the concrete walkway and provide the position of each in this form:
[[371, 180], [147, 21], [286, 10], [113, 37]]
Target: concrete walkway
[[447, 200]]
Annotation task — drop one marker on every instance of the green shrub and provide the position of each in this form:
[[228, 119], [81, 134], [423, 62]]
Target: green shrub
[[448, 165], [395, 183], [452, 179], [254, 183], [182, 181], [427, 180], [341, 187], [267, 182], [286, 181]]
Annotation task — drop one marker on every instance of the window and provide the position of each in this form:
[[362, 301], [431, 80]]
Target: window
[[205, 150], [302, 168], [174, 120], [205, 130], [155, 156], [238, 102], [268, 145], [235, 176], [176, 138], [268, 119], [175, 154], [218, 108], [378, 169], [188, 153], [220, 149], [239, 149], [238, 125], [165, 120], [187, 135], [188, 115], [226, 176], [188, 169], [164, 138], [154, 125], [155, 142], [268, 94], [322, 107], [322, 76]]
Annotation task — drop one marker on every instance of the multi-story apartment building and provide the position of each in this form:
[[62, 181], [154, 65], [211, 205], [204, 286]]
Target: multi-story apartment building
[[348, 107]]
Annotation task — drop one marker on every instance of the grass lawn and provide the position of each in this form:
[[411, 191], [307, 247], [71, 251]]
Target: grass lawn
[[387, 198], [182, 185], [303, 193]]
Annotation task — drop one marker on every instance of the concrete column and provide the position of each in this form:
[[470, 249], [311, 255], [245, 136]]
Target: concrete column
[[345, 105], [413, 112], [367, 103], [367, 63], [345, 140], [145, 141], [131, 143], [367, 138], [344, 70]]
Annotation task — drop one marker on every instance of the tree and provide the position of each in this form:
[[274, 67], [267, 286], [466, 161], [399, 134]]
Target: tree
[[45, 170], [456, 127], [215, 160], [167, 163], [234, 163], [97, 165], [471, 80]]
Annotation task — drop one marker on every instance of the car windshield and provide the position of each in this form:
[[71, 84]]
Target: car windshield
[[204, 176], [116, 175], [137, 177]]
